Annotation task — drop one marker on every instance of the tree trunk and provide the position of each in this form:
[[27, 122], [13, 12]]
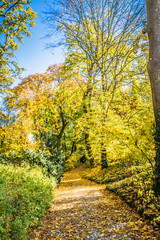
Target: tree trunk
[[86, 106], [64, 124], [73, 149], [89, 150], [104, 162], [153, 29], [59, 136]]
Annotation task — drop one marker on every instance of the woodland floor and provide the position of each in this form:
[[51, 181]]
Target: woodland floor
[[85, 210]]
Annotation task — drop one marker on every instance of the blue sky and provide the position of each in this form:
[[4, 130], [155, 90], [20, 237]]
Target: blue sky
[[32, 55]]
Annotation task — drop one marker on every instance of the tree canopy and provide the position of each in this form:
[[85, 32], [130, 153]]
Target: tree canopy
[[16, 16]]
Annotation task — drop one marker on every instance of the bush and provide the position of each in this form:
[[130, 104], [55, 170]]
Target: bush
[[51, 164], [25, 195]]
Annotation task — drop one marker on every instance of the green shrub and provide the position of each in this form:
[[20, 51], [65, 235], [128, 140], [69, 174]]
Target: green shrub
[[25, 195], [51, 164]]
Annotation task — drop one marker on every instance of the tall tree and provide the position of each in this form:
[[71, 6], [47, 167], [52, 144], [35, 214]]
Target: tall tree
[[101, 31], [46, 107], [153, 30]]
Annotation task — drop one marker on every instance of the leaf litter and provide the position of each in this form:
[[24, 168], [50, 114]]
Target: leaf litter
[[85, 210]]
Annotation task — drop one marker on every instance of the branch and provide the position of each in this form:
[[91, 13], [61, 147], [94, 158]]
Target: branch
[[11, 7]]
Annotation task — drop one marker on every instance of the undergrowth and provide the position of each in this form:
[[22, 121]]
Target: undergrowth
[[25, 195], [52, 165], [133, 184]]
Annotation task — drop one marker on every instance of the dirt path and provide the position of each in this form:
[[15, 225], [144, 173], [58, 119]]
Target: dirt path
[[84, 210]]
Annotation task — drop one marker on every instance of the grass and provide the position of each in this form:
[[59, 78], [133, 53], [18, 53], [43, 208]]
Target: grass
[[25, 196]]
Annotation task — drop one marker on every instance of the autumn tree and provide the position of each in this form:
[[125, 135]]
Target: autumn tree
[[153, 30], [16, 16], [46, 108], [99, 37]]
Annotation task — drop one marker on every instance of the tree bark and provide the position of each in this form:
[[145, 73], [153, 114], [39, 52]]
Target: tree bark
[[87, 96], [64, 124], [104, 162], [89, 150], [153, 29]]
